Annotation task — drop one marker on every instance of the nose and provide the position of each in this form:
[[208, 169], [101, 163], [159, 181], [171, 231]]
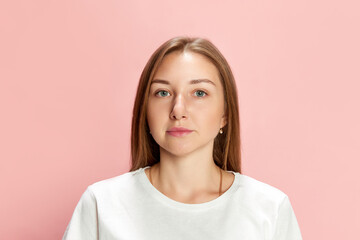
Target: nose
[[179, 109]]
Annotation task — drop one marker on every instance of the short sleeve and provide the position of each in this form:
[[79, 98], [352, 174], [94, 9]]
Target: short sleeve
[[83, 224], [286, 225]]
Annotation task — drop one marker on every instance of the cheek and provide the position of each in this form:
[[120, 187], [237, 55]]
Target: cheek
[[208, 117], [154, 115], [149, 114]]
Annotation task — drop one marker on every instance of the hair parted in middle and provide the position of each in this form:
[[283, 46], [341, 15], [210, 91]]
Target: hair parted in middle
[[144, 149]]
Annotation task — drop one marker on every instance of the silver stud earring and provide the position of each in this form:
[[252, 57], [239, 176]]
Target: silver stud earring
[[221, 131]]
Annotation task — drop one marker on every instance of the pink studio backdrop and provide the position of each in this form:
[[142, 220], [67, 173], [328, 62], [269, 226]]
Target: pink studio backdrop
[[68, 77]]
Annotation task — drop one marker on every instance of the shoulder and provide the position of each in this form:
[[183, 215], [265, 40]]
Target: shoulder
[[122, 183], [253, 184], [260, 193], [269, 206]]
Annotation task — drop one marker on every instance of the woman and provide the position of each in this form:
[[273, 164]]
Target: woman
[[185, 181]]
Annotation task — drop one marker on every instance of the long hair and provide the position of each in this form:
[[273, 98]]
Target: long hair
[[144, 149]]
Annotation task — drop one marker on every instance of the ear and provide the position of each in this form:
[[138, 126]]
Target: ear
[[223, 121]]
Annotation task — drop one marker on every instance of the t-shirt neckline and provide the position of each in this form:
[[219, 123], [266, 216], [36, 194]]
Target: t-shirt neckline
[[187, 206]]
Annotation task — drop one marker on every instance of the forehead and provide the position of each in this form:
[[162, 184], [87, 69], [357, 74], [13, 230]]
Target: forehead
[[185, 67]]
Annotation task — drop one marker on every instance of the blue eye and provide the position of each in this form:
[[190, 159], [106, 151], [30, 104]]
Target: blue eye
[[160, 92], [202, 92]]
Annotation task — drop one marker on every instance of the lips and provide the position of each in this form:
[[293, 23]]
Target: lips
[[179, 129]]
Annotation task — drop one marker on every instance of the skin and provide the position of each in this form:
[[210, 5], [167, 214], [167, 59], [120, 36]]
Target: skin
[[186, 171]]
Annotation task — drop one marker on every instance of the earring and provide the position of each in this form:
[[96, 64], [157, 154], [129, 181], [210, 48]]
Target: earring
[[221, 131]]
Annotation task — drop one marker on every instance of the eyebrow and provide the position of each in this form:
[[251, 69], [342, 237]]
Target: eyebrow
[[194, 81]]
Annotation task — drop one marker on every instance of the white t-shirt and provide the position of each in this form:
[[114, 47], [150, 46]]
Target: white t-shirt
[[130, 207]]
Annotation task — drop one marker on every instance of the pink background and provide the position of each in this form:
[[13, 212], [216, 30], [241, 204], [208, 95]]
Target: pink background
[[68, 77]]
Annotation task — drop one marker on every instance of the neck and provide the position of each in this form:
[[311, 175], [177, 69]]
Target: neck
[[187, 181]]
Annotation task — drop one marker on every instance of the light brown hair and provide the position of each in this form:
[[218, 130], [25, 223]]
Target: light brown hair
[[144, 150]]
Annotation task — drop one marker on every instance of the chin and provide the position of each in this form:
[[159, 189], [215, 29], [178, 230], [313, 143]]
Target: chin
[[178, 151]]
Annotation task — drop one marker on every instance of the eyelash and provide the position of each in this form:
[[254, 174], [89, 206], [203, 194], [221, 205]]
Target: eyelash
[[156, 93]]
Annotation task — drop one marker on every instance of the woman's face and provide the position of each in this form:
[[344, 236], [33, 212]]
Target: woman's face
[[175, 101]]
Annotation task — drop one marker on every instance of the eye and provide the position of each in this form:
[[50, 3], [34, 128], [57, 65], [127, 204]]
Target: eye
[[161, 91], [203, 93]]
